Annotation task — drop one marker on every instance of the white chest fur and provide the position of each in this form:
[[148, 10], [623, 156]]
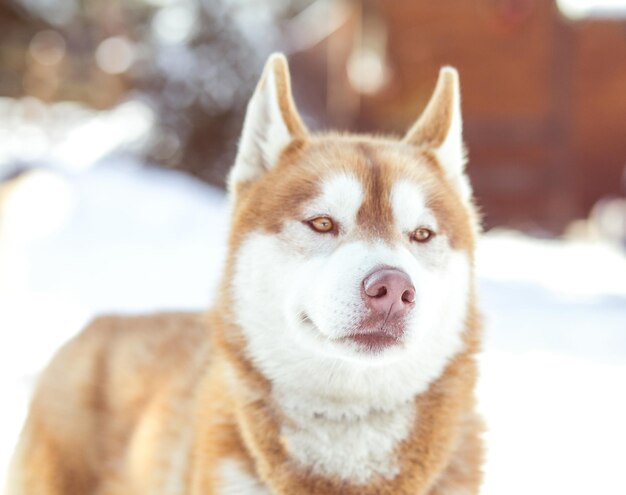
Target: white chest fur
[[352, 447]]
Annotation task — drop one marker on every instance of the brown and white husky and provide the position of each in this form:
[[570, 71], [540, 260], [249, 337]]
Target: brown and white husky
[[338, 357]]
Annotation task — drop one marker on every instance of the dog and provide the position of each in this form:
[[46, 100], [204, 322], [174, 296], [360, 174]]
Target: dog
[[339, 354]]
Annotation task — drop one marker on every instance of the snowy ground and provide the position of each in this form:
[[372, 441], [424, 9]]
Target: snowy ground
[[127, 238]]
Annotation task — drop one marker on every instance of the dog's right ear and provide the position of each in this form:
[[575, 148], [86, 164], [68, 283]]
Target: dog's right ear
[[271, 123], [440, 129]]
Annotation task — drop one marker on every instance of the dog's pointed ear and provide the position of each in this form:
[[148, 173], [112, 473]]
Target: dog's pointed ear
[[271, 123], [440, 128]]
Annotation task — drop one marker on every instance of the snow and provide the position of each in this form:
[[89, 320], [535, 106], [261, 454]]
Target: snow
[[553, 371], [127, 238]]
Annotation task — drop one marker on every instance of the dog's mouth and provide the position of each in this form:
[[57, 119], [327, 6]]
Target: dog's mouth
[[367, 339], [373, 341]]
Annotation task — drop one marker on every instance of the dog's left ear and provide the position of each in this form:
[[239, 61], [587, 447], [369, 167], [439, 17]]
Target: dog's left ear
[[440, 128], [271, 123]]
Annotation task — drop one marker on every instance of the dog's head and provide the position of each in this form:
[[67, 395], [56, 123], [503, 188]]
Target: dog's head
[[350, 250]]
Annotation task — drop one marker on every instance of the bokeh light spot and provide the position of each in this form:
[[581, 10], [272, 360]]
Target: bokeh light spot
[[174, 25], [115, 55], [47, 47]]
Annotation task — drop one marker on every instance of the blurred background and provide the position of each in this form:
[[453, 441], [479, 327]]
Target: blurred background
[[119, 121]]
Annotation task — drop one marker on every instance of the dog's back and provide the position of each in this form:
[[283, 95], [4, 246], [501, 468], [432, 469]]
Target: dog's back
[[117, 394]]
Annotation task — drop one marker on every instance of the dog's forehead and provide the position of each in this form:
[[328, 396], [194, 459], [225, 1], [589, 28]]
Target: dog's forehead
[[378, 186], [381, 187], [340, 194]]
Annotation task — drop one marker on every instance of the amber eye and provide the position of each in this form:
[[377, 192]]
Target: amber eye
[[323, 225], [422, 235]]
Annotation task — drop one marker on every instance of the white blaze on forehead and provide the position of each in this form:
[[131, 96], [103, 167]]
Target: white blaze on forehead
[[408, 203], [341, 198]]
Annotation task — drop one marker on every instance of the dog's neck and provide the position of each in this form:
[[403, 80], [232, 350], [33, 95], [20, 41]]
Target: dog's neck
[[347, 440], [332, 405], [348, 437]]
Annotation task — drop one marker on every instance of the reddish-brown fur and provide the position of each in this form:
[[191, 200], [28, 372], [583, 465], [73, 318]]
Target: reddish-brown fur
[[133, 401]]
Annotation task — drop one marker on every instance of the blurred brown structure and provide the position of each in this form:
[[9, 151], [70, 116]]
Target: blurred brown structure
[[544, 97]]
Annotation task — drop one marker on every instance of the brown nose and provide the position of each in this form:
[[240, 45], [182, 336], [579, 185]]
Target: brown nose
[[389, 291]]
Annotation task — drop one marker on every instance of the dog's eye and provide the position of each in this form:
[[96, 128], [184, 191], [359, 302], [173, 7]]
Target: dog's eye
[[323, 225], [422, 234]]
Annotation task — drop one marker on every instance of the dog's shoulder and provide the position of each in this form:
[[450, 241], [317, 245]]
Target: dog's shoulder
[[118, 363]]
